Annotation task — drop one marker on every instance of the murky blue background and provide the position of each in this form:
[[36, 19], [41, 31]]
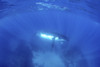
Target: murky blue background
[[78, 20]]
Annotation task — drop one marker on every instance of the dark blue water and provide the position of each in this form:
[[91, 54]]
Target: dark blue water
[[75, 21]]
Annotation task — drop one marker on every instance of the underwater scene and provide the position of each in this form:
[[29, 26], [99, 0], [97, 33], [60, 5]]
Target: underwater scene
[[49, 33]]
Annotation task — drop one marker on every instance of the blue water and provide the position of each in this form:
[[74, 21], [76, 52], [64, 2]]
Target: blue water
[[22, 20]]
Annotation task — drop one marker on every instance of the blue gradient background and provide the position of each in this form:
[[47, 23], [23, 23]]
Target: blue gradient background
[[21, 19]]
